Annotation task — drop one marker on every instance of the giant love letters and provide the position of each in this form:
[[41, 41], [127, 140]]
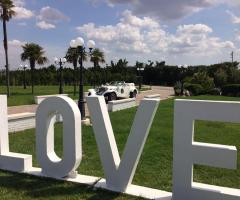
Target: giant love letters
[[120, 172]]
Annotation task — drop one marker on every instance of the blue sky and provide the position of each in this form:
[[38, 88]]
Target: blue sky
[[181, 32]]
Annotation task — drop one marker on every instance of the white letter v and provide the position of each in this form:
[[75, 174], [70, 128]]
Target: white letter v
[[119, 174]]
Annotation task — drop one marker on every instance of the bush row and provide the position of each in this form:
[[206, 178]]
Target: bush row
[[227, 90], [231, 90]]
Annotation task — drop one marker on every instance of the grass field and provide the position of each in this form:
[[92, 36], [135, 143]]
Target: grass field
[[19, 96], [154, 169]]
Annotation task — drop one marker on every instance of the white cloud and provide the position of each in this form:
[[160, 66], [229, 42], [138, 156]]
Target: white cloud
[[146, 22], [194, 29], [49, 17], [235, 19], [145, 38], [168, 9], [16, 43], [15, 49], [195, 40], [44, 25], [19, 3], [23, 13], [52, 15]]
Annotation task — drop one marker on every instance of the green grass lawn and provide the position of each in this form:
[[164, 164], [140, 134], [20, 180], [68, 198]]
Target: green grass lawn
[[19, 96], [154, 169]]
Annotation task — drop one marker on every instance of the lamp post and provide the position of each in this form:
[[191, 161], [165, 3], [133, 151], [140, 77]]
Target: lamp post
[[79, 45], [60, 62], [140, 70], [24, 67], [183, 69]]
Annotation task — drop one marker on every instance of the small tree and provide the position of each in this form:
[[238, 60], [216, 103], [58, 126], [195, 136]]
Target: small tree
[[201, 81], [220, 78], [97, 57], [34, 54]]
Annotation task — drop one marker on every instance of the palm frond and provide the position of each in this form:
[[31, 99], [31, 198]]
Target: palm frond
[[34, 53], [7, 9]]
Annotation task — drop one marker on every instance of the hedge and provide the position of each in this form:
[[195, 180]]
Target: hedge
[[194, 89], [231, 90]]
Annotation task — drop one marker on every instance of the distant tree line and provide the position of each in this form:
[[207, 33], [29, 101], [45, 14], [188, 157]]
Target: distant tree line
[[154, 73], [217, 79]]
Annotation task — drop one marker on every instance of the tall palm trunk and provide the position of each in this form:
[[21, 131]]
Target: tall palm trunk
[[74, 77], [5, 41], [32, 65]]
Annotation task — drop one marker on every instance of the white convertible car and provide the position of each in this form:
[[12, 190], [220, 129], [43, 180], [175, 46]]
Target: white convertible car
[[115, 90]]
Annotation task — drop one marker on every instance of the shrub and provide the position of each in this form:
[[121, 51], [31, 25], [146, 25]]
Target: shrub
[[199, 83], [231, 90], [178, 88], [215, 91], [194, 89], [220, 78]]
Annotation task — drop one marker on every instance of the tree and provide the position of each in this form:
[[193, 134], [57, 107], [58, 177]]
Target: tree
[[220, 78], [201, 78], [35, 54], [72, 56], [7, 13], [97, 57]]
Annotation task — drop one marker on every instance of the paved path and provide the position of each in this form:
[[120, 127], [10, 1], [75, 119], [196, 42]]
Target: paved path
[[165, 93]]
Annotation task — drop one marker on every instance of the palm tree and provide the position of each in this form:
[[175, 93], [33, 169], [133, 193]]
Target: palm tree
[[35, 54], [72, 56], [7, 13], [97, 57]]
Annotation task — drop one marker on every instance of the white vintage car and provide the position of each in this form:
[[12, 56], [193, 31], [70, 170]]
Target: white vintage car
[[115, 90]]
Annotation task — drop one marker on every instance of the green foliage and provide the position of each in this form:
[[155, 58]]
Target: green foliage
[[215, 91], [199, 83], [97, 57], [155, 73], [204, 80], [7, 7], [231, 90], [194, 89], [178, 88], [34, 53], [72, 56], [220, 78]]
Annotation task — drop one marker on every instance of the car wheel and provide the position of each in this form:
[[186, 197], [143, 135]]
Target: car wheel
[[133, 94], [112, 97]]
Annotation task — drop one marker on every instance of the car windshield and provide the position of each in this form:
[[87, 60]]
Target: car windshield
[[114, 83]]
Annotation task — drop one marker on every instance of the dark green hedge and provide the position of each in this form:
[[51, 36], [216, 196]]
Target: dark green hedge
[[231, 90], [194, 89]]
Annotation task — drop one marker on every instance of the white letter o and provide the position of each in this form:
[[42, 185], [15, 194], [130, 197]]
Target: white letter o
[[50, 163]]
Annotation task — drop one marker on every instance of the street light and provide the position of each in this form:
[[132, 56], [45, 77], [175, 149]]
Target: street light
[[60, 62], [183, 69], [140, 70], [24, 67], [79, 45]]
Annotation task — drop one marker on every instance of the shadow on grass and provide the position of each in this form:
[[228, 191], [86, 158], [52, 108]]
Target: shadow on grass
[[34, 187]]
